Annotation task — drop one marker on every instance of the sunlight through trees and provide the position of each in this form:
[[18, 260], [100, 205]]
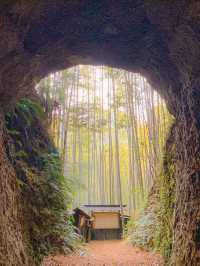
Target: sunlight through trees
[[110, 128]]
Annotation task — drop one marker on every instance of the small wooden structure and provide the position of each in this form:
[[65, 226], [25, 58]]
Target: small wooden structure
[[83, 223], [106, 221]]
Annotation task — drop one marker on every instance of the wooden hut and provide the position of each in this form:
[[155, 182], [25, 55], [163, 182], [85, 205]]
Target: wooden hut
[[82, 221], [106, 221]]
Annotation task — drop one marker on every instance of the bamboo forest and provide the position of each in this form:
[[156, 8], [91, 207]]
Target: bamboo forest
[[110, 127]]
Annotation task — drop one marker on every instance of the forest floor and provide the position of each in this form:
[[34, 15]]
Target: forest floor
[[110, 252]]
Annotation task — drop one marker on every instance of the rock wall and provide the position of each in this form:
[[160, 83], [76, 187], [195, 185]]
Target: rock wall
[[186, 246], [13, 250]]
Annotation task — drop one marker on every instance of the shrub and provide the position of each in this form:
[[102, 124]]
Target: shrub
[[143, 231]]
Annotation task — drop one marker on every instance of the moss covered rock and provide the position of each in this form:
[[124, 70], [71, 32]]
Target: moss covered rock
[[45, 191]]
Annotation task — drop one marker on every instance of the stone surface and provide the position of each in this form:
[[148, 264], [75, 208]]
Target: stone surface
[[159, 39], [13, 250]]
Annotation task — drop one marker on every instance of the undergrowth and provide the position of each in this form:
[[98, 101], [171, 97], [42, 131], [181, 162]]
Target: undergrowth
[[153, 228], [164, 231], [141, 229], [46, 193]]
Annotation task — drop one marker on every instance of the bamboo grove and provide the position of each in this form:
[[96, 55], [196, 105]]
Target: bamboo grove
[[110, 128]]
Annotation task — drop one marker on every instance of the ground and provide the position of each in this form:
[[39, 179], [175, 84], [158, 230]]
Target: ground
[[104, 253]]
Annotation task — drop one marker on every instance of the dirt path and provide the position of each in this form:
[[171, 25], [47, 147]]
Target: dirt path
[[104, 253]]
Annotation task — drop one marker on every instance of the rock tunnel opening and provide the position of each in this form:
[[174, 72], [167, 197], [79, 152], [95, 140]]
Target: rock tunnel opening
[[158, 39], [89, 107], [104, 120]]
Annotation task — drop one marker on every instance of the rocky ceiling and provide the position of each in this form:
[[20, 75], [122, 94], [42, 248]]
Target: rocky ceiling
[[150, 37]]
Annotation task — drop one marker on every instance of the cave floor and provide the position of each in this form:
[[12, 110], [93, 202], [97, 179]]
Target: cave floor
[[109, 252]]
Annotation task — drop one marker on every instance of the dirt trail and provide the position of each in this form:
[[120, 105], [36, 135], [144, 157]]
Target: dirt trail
[[104, 253]]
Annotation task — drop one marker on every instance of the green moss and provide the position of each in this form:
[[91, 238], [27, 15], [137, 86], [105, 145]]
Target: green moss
[[163, 239]]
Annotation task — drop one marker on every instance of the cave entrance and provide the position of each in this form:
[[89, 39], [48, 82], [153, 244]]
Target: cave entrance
[[110, 127], [159, 39]]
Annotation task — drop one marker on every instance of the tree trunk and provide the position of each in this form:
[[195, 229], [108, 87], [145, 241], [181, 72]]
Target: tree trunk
[[117, 150]]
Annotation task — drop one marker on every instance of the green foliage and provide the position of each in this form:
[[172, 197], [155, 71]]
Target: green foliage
[[29, 110], [153, 229], [46, 192], [163, 239], [142, 230], [49, 197]]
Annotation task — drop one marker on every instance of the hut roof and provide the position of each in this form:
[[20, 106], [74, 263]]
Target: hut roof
[[102, 207], [81, 212]]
